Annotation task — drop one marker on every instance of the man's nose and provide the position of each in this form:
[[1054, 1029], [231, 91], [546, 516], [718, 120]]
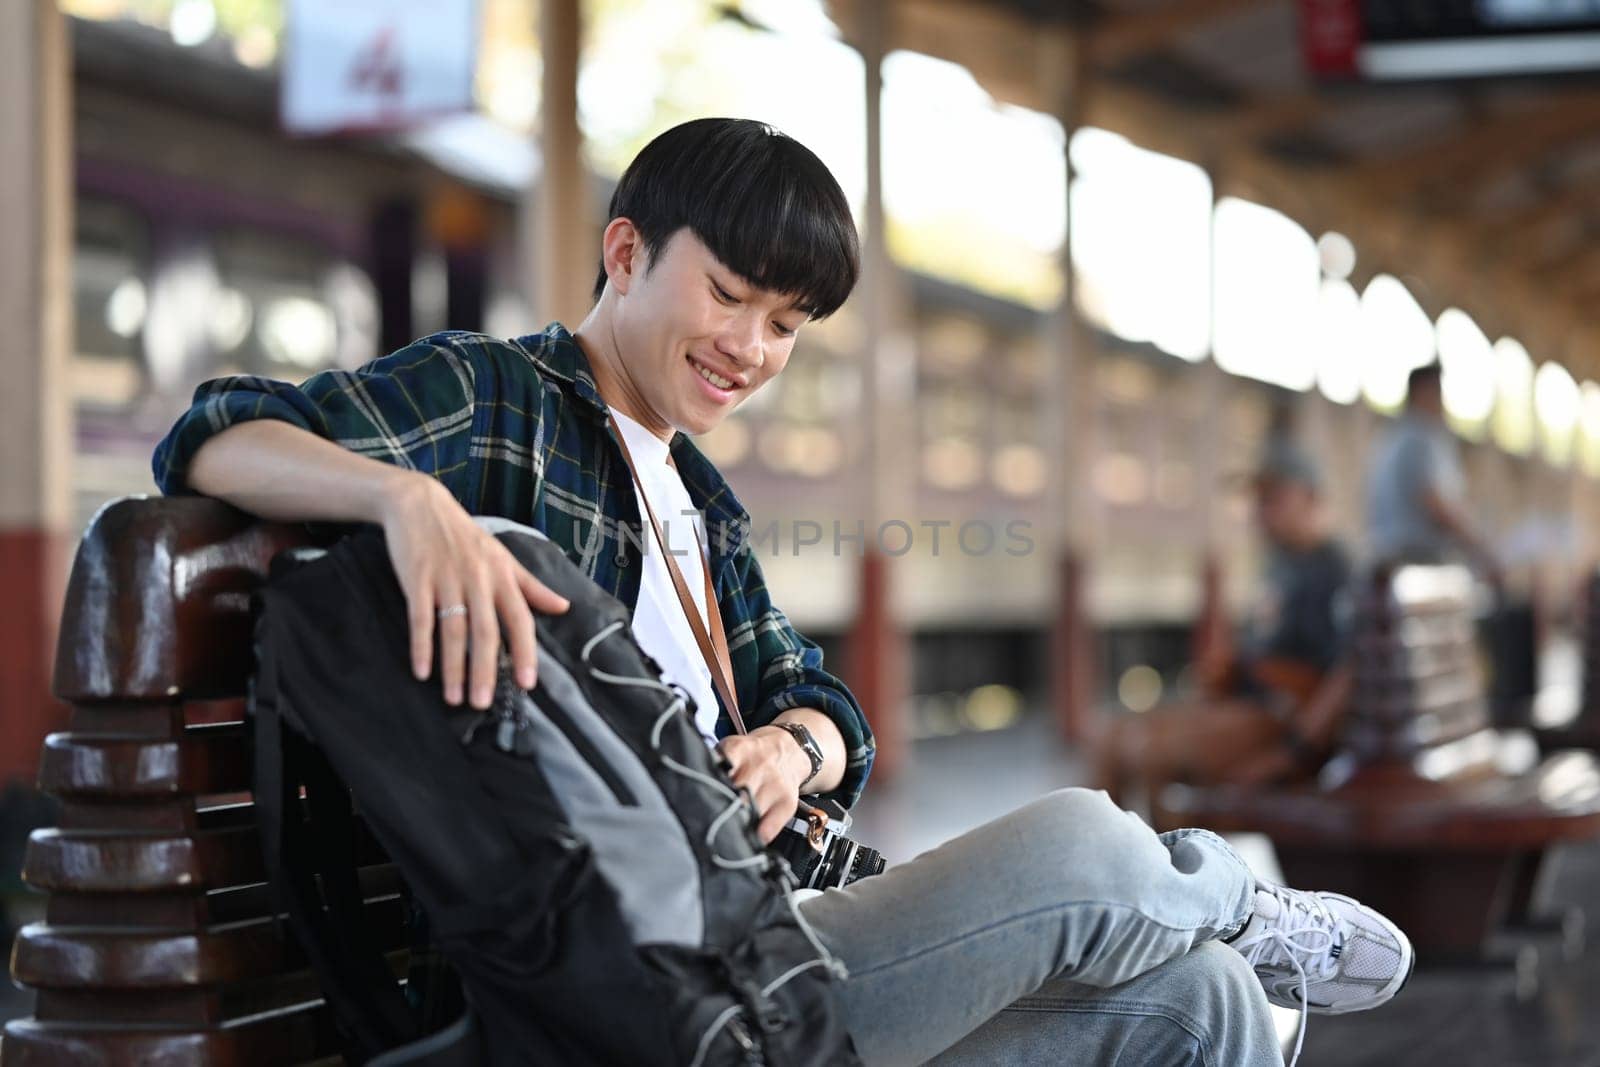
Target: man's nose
[[741, 341]]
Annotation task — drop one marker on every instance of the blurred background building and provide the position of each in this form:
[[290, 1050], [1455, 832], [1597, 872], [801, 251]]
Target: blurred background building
[[1106, 241]]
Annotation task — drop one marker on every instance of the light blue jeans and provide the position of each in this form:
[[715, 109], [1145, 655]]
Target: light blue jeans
[[1067, 932]]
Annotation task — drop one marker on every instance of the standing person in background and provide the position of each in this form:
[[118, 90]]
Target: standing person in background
[[1416, 489]]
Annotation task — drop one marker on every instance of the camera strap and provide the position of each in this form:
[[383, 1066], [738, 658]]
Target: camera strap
[[713, 642]]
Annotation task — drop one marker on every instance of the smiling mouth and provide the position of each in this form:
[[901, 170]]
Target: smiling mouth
[[725, 384]]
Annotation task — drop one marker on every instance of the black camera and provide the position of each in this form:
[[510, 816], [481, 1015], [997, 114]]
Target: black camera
[[814, 846]]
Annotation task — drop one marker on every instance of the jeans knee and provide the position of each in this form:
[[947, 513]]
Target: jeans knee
[[1077, 807], [1224, 984]]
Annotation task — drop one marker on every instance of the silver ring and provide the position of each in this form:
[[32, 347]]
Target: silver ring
[[452, 611]]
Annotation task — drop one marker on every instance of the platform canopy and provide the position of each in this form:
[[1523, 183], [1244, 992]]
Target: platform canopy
[[1481, 193]]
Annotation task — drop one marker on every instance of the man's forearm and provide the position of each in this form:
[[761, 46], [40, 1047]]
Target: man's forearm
[[831, 741], [279, 471]]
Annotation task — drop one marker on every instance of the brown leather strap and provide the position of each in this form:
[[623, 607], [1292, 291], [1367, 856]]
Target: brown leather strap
[[713, 645]]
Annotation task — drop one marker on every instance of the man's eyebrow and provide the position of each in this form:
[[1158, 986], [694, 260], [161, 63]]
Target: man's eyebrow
[[797, 304]]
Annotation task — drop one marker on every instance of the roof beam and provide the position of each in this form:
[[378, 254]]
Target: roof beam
[[1576, 197], [1117, 37], [1006, 52], [1507, 139]]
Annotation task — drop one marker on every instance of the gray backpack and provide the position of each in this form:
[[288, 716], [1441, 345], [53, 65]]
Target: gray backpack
[[582, 861]]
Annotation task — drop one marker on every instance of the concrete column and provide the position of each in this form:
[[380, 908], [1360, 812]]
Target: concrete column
[[565, 252], [877, 666], [36, 435], [1070, 426]]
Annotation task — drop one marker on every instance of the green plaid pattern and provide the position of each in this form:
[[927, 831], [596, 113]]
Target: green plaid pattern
[[517, 429]]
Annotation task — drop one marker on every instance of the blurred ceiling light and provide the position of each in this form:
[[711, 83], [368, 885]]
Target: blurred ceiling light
[[1140, 687], [230, 319], [1468, 361], [1397, 336], [1558, 404], [125, 308], [192, 22], [1141, 243], [182, 290], [1337, 341], [1265, 290], [992, 707], [773, 446], [298, 332], [728, 444], [1513, 419], [817, 452], [1019, 470], [255, 46], [952, 464], [840, 387], [1589, 419], [508, 315], [954, 343], [1127, 380], [1120, 478], [353, 299], [1338, 255]]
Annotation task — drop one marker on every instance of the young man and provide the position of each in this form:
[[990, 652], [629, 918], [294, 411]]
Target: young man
[[725, 237]]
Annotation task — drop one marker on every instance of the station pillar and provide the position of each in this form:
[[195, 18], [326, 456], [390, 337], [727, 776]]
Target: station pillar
[[36, 430]]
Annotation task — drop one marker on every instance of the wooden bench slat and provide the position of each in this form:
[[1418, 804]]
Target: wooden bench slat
[[58, 957], [213, 760]]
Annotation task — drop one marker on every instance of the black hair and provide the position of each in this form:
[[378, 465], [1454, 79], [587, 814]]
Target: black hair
[[761, 201], [1428, 374]]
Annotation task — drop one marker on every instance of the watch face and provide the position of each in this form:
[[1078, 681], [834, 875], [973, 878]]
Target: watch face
[[807, 743]]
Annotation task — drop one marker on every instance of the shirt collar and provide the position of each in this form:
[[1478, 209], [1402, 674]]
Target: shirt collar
[[558, 356]]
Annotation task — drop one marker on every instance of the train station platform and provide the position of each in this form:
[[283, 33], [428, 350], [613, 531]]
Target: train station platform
[[1463, 1019]]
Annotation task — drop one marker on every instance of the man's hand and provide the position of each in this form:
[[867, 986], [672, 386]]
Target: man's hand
[[443, 559], [772, 766]]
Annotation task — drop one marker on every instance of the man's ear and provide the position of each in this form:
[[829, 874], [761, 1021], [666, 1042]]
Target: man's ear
[[622, 252]]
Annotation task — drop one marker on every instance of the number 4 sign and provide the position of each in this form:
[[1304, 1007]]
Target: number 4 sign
[[364, 65]]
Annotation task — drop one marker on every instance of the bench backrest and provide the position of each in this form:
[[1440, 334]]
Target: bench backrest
[[160, 942], [1418, 680], [1589, 626]]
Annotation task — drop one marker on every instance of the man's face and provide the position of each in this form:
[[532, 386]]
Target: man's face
[[696, 339], [1283, 509]]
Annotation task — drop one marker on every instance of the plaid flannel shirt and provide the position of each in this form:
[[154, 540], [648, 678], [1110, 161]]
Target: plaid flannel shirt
[[517, 429]]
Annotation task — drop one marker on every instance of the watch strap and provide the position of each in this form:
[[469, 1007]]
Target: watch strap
[[807, 743]]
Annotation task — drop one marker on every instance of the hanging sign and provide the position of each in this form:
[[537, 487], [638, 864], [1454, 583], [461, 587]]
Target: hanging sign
[[363, 65]]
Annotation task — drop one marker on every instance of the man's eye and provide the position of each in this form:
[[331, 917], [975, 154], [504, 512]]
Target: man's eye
[[784, 331], [723, 294]]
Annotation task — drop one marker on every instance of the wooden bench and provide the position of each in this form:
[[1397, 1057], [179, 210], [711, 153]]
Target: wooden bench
[[1583, 731], [160, 944], [1426, 813]]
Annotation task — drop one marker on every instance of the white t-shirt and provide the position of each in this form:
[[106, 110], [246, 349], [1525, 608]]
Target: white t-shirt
[[658, 621]]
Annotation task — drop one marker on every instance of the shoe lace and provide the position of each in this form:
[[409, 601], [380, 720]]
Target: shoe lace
[[1301, 938]]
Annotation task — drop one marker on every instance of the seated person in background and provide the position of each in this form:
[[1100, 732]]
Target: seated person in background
[[1271, 703]]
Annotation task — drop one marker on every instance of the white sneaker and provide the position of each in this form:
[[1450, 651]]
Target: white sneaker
[[1323, 952]]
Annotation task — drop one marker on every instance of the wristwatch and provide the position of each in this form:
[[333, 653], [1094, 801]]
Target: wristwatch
[[808, 745]]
